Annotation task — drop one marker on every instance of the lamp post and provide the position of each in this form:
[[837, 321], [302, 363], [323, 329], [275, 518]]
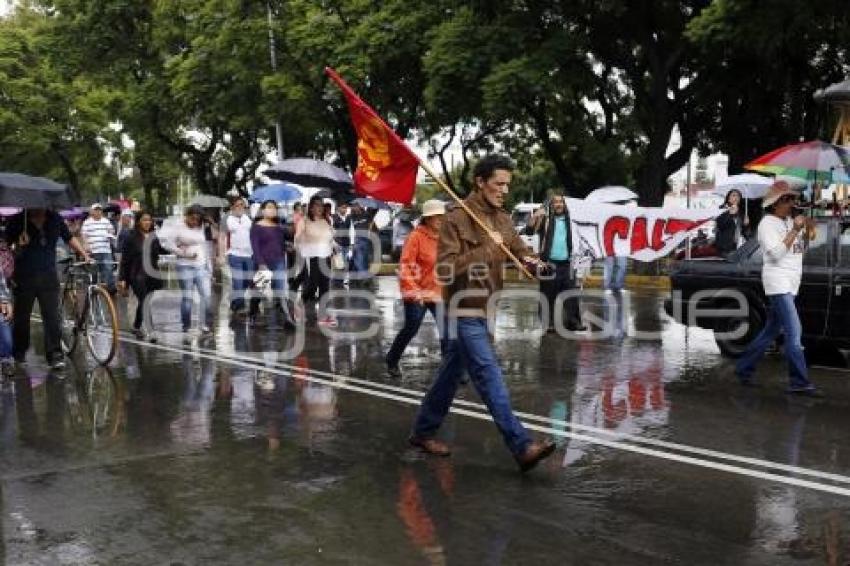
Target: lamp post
[[273, 57]]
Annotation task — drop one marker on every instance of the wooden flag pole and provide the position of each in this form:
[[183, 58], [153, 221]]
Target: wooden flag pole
[[474, 216]]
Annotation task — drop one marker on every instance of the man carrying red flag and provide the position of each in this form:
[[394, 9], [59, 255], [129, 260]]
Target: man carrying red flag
[[476, 240]]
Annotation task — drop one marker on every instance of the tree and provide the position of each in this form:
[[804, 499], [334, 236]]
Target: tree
[[53, 122], [765, 65], [528, 84]]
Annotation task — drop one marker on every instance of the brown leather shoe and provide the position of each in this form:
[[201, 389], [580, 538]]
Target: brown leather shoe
[[430, 446], [534, 454]]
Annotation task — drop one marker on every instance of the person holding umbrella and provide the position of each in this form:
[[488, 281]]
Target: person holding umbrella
[[783, 241], [35, 235]]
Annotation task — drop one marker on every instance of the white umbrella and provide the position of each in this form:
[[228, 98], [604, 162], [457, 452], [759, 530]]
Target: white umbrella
[[209, 201], [749, 185], [611, 194]]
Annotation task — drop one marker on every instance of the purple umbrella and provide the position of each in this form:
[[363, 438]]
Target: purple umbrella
[[72, 213]]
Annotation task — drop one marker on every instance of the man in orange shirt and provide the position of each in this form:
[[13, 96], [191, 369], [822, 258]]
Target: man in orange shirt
[[417, 279]]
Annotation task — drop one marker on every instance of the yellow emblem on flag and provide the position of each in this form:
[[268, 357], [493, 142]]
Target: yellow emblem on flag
[[373, 148]]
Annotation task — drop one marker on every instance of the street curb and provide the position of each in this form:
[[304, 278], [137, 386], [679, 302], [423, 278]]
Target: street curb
[[659, 282]]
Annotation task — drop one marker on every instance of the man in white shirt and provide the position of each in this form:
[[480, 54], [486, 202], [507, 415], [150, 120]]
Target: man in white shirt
[[239, 255], [783, 241], [99, 235]]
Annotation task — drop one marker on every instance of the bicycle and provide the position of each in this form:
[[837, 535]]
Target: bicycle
[[87, 309]]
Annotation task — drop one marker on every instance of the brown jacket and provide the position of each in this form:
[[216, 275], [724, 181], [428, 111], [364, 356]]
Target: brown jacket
[[468, 259]]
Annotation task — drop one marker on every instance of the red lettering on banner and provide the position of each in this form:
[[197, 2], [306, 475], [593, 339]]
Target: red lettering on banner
[[615, 226], [640, 240], [658, 234], [675, 225]]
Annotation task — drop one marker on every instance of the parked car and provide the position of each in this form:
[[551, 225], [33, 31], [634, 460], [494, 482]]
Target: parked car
[[520, 216], [823, 301]]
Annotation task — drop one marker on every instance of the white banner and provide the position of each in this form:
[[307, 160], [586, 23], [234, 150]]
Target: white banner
[[643, 234]]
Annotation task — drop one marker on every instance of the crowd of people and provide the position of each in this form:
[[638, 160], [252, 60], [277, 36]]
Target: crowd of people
[[265, 251], [320, 247]]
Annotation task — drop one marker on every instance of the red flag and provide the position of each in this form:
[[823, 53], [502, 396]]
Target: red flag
[[386, 168]]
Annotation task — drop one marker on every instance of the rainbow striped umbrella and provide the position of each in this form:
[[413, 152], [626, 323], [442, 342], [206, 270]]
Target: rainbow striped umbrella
[[814, 161]]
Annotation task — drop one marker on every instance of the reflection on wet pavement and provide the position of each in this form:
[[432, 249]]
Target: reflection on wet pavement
[[226, 451]]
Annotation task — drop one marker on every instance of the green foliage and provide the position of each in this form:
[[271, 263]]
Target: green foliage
[[580, 93]]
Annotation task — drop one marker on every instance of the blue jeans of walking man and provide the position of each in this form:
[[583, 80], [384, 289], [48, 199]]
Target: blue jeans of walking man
[[781, 318], [105, 270], [241, 276], [191, 277], [469, 347]]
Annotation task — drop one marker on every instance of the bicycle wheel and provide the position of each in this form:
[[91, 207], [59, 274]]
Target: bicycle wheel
[[68, 311], [104, 404], [102, 327]]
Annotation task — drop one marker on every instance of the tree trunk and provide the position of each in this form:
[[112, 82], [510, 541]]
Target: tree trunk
[[68, 166], [552, 148]]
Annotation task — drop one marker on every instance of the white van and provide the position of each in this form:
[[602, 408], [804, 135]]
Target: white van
[[520, 216]]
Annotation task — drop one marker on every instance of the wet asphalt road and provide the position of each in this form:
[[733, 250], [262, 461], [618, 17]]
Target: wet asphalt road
[[218, 451]]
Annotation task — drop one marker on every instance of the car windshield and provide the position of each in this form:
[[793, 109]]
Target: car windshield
[[520, 217]]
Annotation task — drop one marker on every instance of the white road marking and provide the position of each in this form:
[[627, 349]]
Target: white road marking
[[412, 397], [418, 394]]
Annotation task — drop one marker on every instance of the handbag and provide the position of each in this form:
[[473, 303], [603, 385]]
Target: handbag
[[337, 261]]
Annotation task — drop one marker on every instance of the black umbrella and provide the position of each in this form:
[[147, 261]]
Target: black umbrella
[[311, 173], [24, 191]]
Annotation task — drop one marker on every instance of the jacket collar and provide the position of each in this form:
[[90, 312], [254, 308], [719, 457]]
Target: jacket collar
[[477, 201]]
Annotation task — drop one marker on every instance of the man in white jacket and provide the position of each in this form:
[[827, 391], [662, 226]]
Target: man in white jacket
[[783, 241]]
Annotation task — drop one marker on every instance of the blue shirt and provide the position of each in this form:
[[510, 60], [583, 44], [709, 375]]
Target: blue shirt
[[559, 250]]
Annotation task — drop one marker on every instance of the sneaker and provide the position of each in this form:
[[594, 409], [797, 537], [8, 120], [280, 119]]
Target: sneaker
[[394, 371], [205, 330], [57, 364], [139, 333]]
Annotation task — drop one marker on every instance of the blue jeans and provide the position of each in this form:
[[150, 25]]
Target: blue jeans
[[782, 317], [469, 347], [360, 258], [105, 270], [414, 313], [5, 338], [200, 278], [278, 285], [614, 273], [241, 277]]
